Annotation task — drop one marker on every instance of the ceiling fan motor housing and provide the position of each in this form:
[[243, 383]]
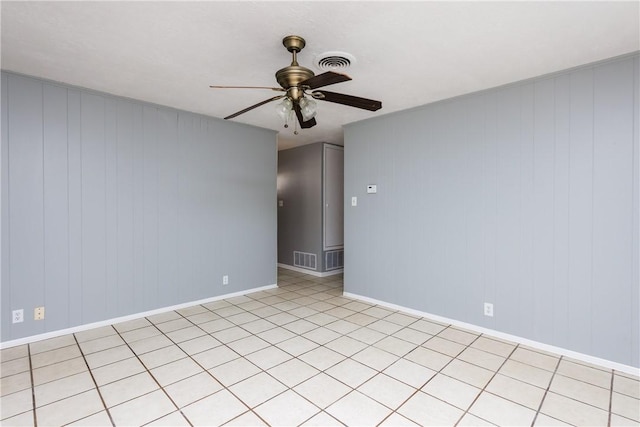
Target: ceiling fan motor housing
[[290, 77]]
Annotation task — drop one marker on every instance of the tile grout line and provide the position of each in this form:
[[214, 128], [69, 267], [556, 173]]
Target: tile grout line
[[546, 391], [577, 380], [484, 388], [293, 357], [393, 411], [94, 381], [610, 398], [224, 387], [150, 374], [439, 371], [321, 410], [210, 374], [403, 326], [33, 387]]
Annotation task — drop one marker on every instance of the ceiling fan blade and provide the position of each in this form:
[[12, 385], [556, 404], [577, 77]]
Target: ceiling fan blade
[[325, 79], [266, 101], [278, 89], [303, 125], [351, 101]]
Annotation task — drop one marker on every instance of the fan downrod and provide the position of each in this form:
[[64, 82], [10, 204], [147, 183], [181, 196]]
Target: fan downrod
[[290, 77]]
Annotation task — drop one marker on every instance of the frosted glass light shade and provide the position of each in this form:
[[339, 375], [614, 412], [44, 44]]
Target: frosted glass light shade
[[308, 108], [284, 108]]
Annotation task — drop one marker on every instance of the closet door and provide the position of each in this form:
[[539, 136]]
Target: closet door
[[333, 200]]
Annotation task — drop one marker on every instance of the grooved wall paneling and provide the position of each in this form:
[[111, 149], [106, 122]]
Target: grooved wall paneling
[[525, 196], [112, 207]]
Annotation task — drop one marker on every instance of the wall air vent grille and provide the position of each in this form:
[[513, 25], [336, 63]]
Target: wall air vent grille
[[334, 260], [334, 61], [305, 260]]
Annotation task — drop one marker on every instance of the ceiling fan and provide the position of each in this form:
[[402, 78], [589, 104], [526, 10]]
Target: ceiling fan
[[299, 85]]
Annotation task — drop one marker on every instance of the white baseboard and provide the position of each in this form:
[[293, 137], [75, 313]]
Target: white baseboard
[[508, 337], [53, 334], [311, 272]]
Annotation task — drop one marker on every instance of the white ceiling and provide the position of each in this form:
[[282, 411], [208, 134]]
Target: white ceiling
[[408, 53]]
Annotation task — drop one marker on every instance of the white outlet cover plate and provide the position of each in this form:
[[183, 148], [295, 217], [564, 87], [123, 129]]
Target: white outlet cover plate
[[372, 188], [488, 309]]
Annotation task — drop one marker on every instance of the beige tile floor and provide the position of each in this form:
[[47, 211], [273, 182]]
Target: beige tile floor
[[302, 354]]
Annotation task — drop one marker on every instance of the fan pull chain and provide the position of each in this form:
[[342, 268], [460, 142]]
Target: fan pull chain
[[287, 118]]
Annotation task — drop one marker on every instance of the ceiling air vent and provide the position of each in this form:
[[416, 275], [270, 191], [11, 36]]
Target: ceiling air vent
[[334, 61]]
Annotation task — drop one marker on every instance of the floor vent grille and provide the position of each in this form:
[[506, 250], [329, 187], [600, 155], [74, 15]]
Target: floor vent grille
[[334, 259], [305, 260]]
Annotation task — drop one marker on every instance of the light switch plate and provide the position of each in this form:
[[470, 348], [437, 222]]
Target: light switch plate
[[372, 189], [354, 201]]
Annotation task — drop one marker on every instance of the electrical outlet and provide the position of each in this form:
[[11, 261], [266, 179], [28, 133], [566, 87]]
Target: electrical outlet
[[488, 309], [38, 313], [18, 316], [225, 280]]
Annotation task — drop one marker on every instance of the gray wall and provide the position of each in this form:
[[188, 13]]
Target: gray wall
[[526, 196], [112, 207], [300, 189]]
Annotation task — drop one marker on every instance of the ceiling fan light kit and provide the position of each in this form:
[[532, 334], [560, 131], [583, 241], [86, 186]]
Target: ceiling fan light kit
[[300, 84]]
